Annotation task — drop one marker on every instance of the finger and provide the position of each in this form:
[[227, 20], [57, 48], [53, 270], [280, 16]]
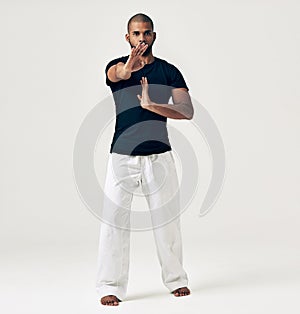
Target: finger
[[139, 52], [140, 47], [137, 47], [140, 44], [144, 48], [133, 52]]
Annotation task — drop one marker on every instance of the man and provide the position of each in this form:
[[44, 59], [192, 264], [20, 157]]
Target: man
[[142, 85]]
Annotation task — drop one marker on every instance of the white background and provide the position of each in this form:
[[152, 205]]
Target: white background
[[241, 61]]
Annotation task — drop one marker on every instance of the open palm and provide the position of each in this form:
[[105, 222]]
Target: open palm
[[135, 61]]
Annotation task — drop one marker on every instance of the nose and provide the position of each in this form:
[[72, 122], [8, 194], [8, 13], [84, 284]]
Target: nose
[[142, 38]]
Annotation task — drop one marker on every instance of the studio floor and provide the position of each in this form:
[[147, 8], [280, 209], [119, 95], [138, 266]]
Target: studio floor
[[244, 277]]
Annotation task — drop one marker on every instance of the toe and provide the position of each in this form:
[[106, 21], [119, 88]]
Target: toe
[[180, 292], [110, 300]]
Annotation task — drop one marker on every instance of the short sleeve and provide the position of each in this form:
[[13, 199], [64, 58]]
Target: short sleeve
[[176, 79], [110, 64]]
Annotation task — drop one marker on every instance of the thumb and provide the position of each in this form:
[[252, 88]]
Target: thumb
[[139, 97]]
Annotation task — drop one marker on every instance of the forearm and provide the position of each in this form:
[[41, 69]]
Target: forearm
[[175, 111], [122, 72]]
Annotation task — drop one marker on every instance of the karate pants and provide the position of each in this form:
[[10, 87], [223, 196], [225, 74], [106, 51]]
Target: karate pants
[[156, 174]]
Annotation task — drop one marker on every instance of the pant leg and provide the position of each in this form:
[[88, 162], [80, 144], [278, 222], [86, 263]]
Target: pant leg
[[114, 239], [161, 188]]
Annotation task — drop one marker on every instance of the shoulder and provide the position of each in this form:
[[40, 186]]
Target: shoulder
[[164, 63], [167, 66], [174, 76]]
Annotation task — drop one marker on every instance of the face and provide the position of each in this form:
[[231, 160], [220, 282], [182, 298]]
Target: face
[[141, 32]]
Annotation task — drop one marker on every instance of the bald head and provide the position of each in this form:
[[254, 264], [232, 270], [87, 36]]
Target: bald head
[[140, 17]]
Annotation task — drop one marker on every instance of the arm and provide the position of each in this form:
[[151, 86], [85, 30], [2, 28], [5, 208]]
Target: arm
[[181, 109], [122, 71], [118, 72]]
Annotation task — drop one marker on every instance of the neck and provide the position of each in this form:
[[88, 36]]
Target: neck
[[148, 59]]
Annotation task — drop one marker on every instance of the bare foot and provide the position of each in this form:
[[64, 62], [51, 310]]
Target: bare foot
[[110, 300], [180, 292]]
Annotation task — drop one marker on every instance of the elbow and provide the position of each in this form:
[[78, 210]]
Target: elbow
[[190, 115], [186, 116], [189, 111], [185, 111]]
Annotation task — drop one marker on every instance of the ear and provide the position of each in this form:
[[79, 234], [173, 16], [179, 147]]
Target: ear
[[127, 37], [154, 36]]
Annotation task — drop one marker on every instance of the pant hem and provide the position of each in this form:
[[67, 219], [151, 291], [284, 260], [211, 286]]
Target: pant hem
[[104, 291], [176, 285]]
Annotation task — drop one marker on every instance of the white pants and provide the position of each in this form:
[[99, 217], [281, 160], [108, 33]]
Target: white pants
[[157, 176]]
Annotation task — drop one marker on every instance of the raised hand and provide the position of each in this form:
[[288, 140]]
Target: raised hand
[[145, 99], [135, 62]]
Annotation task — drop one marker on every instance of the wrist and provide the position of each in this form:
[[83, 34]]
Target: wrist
[[149, 105], [122, 72], [127, 70]]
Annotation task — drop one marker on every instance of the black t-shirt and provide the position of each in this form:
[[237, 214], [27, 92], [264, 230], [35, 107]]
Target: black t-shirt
[[139, 131]]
